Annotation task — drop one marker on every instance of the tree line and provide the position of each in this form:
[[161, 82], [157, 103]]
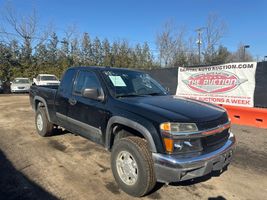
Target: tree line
[[25, 51], [55, 55]]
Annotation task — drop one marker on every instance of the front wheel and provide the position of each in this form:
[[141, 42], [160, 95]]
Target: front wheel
[[132, 166], [43, 126]]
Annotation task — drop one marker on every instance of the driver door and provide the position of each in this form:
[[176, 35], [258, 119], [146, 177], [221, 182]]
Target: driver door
[[86, 116]]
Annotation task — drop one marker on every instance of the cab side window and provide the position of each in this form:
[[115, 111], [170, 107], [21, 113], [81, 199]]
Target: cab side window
[[66, 83], [85, 79]]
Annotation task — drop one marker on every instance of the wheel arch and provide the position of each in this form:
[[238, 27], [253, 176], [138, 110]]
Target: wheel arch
[[139, 128], [37, 101]]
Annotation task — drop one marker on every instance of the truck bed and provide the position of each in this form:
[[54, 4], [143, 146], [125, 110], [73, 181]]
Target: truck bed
[[47, 93]]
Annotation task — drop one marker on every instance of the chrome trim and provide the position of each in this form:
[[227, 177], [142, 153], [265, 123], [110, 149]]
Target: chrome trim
[[197, 134], [187, 163]]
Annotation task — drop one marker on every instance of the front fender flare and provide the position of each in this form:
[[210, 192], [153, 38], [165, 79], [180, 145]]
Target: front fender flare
[[132, 124]]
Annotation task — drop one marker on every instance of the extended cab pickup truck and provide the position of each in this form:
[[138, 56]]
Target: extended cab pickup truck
[[152, 136]]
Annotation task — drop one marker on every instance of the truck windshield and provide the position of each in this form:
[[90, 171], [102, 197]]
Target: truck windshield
[[48, 78], [124, 83]]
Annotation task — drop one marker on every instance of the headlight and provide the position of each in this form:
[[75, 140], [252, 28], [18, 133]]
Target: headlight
[[170, 132], [176, 128]]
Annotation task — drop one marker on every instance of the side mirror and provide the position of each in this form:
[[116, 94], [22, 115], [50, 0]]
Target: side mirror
[[93, 93]]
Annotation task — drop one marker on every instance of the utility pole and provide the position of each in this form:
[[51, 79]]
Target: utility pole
[[244, 58], [199, 42]]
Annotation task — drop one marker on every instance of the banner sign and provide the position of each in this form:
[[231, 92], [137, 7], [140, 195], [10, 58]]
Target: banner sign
[[230, 84]]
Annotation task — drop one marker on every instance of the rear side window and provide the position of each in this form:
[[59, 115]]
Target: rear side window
[[86, 79], [66, 83]]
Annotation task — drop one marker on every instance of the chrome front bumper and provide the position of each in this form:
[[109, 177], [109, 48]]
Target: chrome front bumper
[[175, 168]]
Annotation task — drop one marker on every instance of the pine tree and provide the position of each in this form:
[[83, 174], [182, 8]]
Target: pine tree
[[124, 55], [146, 57], [138, 54], [221, 56], [64, 60], [26, 52], [87, 54], [52, 48], [6, 63], [106, 53], [97, 52], [15, 49], [114, 54], [41, 55], [75, 52], [64, 48]]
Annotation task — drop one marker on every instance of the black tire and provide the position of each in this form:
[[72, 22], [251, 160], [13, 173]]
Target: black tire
[[139, 150], [47, 127], [122, 134]]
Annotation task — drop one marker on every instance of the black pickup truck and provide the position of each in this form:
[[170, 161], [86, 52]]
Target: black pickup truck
[[152, 135]]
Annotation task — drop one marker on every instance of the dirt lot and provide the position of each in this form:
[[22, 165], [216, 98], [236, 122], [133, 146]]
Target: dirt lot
[[70, 167]]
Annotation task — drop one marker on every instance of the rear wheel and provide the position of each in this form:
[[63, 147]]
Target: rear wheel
[[43, 126], [132, 166]]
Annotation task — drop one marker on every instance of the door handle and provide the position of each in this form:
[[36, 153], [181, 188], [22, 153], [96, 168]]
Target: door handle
[[72, 101]]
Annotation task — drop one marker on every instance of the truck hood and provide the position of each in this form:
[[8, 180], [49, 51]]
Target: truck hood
[[172, 108]]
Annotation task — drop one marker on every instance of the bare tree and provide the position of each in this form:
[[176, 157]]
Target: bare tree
[[240, 55], [24, 27], [172, 45], [192, 56], [165, 42], [181, 48], [215, 30], [67, 40]]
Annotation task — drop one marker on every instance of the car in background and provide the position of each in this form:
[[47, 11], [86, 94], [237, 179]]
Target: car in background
[[1, 86], [20, 85], [46, 79]]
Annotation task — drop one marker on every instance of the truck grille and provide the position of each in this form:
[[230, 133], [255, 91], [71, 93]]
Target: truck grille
[[215, 141], [214, 123]]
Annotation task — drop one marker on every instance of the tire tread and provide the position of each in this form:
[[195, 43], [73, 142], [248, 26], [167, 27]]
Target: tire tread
[[142, 146]]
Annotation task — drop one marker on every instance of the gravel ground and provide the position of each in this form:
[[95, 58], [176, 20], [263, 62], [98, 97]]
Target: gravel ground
[[66, 166]]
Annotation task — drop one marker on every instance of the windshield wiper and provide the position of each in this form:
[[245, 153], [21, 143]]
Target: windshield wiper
[[138, 95], [128, 95], [155, 94]]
